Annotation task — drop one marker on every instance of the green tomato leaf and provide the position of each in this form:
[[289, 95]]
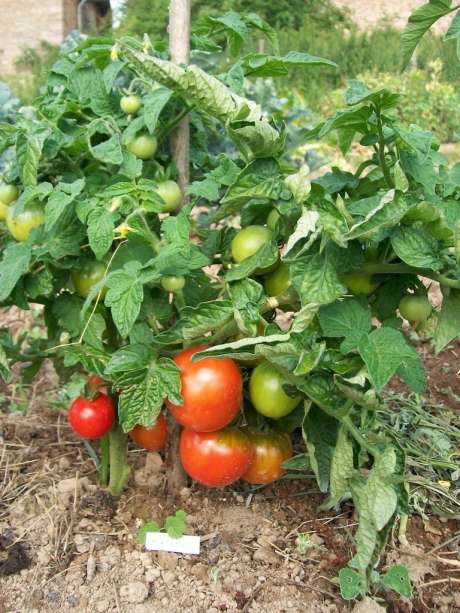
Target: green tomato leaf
[[176, 524], [197, 321], [124, 297], [15, 262], [342, 469], [352, 584], [417, 248], [420, 22], [100, 231], [261, 65], [397, 578], [449, 320], [315, 278], [385, 352], [150, 526], [141, 403], [5, 370], [350, 318], [320, 436], [153, 104]]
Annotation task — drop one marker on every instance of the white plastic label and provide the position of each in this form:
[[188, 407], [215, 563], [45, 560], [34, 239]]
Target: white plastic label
[[160, 541]]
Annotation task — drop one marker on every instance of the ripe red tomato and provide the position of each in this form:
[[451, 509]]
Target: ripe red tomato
[[154, 438], [271, 450], [91, 418], [215, 459], [212, 391]]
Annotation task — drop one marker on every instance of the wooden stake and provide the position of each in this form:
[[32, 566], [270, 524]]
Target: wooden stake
[[179, 47]]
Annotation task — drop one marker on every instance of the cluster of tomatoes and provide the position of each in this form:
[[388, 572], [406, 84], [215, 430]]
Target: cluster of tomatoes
[[212, 452]]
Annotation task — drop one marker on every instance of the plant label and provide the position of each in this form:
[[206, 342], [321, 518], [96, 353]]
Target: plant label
[[160, 541]]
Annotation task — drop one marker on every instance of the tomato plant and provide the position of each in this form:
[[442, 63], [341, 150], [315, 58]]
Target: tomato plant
[[91, 418], [100, 242], [154, 438], [216, 459], [211, 390], [271, 449]]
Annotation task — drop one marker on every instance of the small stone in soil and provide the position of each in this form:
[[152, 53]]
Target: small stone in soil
[[134, 592]]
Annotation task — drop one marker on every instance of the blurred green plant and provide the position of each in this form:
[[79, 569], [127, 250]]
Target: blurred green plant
[[426, 99], [33, 66]]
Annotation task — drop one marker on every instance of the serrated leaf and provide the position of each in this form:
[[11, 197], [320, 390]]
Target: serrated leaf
[[448, 327], [320, 436], [15, 262], [342, 469], [397, 578], [197, 321], [390, 210], [349, 319], [420, 22], [357, 93], [261, 65], [385, 351], [315, 278], [306, 225], [417, 248], [150, 526], [124, 297], [141, 403], [351, 583], [100, 231], [153, 104], [176, 524]]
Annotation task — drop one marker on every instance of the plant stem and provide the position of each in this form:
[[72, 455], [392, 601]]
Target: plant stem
[[353, 430], [119, 468], [404, 269], [105, 461], [174, 122], [381, 151]]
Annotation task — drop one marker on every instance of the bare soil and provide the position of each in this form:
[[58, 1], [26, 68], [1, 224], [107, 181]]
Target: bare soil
[[66, 545]]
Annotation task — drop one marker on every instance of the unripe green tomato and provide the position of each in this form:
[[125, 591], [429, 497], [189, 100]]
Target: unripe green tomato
[[415, 308], [278, 281], [358, 283], [3, 210], [171, 194], [86, 277], [267, 394], [143, 146], [130, 104], [8, 193], [172, 284], [272, 219], [248, 241], [21, 226]]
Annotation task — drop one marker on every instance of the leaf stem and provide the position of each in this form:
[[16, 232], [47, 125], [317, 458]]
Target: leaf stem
[[381, 150], [404, 269], [105, 461], [174, 122], [353, 430]]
